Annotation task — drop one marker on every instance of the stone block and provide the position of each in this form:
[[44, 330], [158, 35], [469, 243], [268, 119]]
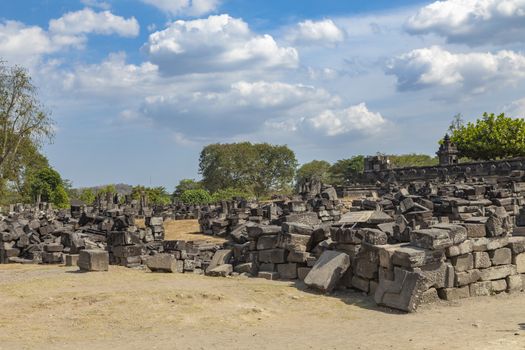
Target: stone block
[[475, 230], [71, 259], [499, 286], [488, 243], [481, 260], [404, 292], [497, 272], [297, 228], [275, 256], [459, 249], [51, 258], [327, 271], [433, 239], [287, 271], [262, 230], [517, 245], [302, 272], [163, 263], [292, 241], [53, 248], [463, 262], [430, 296], [457, 233], [221, 257], [266, 242], [514, 283], [297, 257], [436, 275], [374, 236], [127, 251], [361, 284], [268, 275], [220, 271], [480, 289], [501, 256], [93, 260], [519, 261], [466, 277], [450, 294], [408, 256], [267, 267], [244, 268]]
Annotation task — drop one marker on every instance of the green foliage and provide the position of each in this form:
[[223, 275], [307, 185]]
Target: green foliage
[[345, 170], [316, 169], [258, 168], [155, 195], [25, 126], [48, 184], [491, 137], [199, 196], [412, 160], [228, 193], [108, 189], [87, 196], [186, 184]]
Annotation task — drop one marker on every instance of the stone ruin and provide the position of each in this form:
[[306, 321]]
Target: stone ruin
[[402, 244]]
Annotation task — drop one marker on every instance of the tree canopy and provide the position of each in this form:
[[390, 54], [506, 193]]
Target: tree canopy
[[254, 168], [316, 169], [491, 137], [344, 170], [47, 185]]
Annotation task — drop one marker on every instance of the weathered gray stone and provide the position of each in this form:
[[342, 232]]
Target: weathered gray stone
[[374, 236], [463, 262], [434, 239], [261, 230], [71, 259], [484, 244], [457, 233], [502, 256], [475, 230], [292, 241], [517, 245], [404, 292], [450, 294], [514, 283], [268, 275], [430, 296], [497, 272], [275, 256], [459, 249], [221, 257], [287, 271], [467, 277], [266, 242], [93, 260], [519, 261], [361, 284], [244, 268], [408, 256], [480, 289], [481, 260], [302, 272], [297, 228], [328, 269], [499, 286], [220, 271], [436, 275], [163, 263]]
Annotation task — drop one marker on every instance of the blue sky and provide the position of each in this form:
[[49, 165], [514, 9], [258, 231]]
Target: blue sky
[[138, 87]]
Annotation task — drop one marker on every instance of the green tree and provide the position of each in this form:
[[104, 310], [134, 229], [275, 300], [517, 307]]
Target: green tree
[[316, 169], [87, 196], [227, 194], [412, 160], [199, 196], [155, 195], [186, 184], [23, 120], [49, 186], [256, 168], [345, 170], [491, 137]]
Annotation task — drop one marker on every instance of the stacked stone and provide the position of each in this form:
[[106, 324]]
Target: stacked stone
[[188, 257], [156, 226]]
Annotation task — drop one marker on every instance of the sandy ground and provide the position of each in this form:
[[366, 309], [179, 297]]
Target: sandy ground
[[53, 307]]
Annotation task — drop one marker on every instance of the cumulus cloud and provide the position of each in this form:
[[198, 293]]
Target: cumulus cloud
[[324, 32], [88, 21], [471, 72], [185, 7], [472, 22], [215, 44], [344, 121], [516, 108]]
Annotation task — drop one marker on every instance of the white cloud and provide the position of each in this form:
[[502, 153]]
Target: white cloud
[[325, 33], [215, 44], [473, 22], [185, 7], [516, 108], [470, 72], [88, 21], [344, 121]]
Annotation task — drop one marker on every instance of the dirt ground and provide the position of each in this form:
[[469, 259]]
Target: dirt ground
[[54, 307]]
